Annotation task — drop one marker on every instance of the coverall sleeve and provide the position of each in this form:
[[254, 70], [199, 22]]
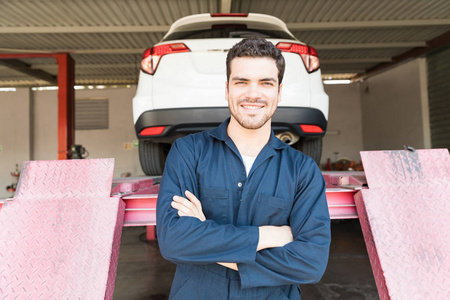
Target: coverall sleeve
[[187, 239], [304, 260]]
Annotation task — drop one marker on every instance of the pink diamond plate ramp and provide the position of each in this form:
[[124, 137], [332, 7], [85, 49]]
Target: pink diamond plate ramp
[[60, 236], [404, 216]]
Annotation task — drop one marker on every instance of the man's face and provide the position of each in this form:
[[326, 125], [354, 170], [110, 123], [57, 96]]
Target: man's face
[[252, 91]]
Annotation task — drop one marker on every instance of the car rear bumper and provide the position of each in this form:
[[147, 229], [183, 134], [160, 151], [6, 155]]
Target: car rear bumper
[[182, 121]]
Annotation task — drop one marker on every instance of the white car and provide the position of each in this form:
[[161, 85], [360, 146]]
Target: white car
[[181, 86]]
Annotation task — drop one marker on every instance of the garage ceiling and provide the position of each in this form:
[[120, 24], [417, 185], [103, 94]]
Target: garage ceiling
[[354, 38]]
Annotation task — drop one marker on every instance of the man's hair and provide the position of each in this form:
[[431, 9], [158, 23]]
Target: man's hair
[[256, 47]]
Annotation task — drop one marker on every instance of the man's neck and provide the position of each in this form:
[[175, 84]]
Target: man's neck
[[249, 141]]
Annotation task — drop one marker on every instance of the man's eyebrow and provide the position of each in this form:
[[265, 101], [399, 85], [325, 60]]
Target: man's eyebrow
[[268, 79], [246, 79], [239, 79]]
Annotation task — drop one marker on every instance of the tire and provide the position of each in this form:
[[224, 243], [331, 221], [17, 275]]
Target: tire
[[153, 157], [311, 147]]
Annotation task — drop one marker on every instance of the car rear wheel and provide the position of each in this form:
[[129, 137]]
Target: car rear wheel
[[311, 147], [153, 157]]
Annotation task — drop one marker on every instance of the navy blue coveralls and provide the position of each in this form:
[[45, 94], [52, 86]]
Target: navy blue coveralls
[[284, 187]]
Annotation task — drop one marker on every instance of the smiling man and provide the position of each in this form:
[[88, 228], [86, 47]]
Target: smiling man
[[243, 215]]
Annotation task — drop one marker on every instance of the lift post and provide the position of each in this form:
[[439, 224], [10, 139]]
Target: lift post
[[66, 104], [66, 93]]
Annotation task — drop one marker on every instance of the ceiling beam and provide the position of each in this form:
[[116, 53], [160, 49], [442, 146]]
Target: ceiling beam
[[355, 60], [24, 68], [131, 65], [87, 66], [365, 24], [25, 82], [334, 70], [77, 51], [225, 6], [368, 45], [165, 28], [432, 44], [83, 29], [141, 50]]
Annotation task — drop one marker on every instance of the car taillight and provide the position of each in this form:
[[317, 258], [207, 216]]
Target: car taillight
[[311, 128], [151, 56], [230, 15], [152, 130], [307, 53]]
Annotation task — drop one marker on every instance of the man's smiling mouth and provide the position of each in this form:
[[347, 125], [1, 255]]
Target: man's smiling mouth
[[252, 107]]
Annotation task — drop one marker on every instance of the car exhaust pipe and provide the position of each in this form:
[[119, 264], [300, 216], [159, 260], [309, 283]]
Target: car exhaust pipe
[[288, 138], [285, 139]]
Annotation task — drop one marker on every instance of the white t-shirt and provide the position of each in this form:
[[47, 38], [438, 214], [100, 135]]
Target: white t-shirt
[[248, 162]]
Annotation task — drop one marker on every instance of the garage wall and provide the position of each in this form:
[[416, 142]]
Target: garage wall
[[45, 125], [384, 112], [344, 132], [115, 142], [344, 129], [395, 108], [14, 134]]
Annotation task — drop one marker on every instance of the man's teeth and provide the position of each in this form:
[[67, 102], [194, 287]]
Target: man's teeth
[[251, 107]]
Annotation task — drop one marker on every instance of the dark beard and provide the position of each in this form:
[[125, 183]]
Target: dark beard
[[246, 123]]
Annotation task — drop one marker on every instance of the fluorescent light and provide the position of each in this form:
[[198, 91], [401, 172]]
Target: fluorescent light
[[76, 87], [340, 81], [45, 88], [7, 89]]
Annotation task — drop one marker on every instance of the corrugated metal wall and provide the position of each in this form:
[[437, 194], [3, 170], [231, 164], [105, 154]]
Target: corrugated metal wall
[[439, 97]]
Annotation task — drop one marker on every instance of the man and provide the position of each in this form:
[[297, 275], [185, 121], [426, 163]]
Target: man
[[242, 214]]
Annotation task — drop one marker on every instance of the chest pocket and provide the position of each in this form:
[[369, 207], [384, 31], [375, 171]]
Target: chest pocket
[[215, 203], [272, 210]]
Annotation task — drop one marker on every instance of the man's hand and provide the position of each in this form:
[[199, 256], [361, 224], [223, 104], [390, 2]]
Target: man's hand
[[186, 208], [274, 236], [232, 266], [269, 237]]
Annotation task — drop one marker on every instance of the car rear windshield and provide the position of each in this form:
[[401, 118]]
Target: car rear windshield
[[227, 31]]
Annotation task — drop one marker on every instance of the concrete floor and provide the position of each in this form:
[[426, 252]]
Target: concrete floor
[[143, 274]]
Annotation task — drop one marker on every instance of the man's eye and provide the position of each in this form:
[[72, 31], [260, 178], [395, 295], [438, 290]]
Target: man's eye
[[268, 83]]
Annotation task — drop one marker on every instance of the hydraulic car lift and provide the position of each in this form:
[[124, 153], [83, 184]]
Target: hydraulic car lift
[[140, 194], [403, 214]]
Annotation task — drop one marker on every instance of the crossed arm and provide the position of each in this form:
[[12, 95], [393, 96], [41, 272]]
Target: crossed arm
[[269, 236], [196, 240]]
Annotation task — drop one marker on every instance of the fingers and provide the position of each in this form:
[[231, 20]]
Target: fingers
[[182, 201], [193, 199], [182, 214], [183, 205], [192, 208]]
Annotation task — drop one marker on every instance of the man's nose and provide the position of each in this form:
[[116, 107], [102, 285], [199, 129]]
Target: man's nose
[[253, 91]]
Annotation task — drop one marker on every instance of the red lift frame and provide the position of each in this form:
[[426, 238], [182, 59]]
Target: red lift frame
[[66, 96]]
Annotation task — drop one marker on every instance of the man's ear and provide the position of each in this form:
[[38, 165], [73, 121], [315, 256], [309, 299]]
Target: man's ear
[[280, 87], [226, 90]]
